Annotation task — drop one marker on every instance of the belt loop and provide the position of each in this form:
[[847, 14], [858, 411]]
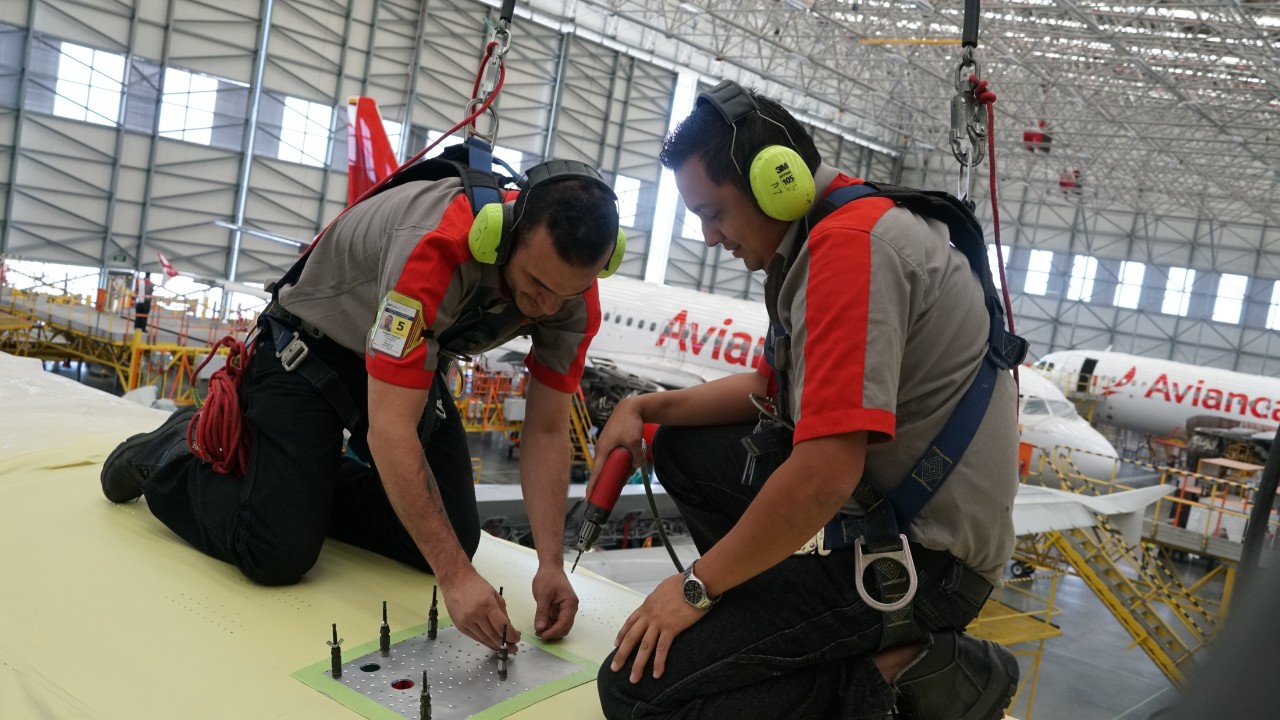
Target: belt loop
[[952, 583]]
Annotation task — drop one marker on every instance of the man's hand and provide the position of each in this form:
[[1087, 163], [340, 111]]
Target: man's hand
[[557, 603], [653, 626], [624, 429], [478, 611]]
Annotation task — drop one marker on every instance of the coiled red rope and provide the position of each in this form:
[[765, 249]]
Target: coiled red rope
[[217, 434]]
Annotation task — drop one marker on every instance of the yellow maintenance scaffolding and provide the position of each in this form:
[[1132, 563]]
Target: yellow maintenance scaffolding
[[494, 401], [108, 333]]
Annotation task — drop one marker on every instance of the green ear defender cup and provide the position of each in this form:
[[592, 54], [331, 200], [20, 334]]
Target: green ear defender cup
[[489, 237], [485, 237], [615, 260], [781, 182]]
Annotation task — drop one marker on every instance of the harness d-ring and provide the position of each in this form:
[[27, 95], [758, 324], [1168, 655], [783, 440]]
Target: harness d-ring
[[902, 557]]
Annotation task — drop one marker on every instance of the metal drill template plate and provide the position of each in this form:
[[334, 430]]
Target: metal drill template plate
[[463, 676]]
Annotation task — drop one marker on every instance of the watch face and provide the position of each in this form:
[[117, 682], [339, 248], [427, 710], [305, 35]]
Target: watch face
[[694, 593], [691, 592]]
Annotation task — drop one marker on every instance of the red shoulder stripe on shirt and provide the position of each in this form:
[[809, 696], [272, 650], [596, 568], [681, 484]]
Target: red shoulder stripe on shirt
[[837, 298]]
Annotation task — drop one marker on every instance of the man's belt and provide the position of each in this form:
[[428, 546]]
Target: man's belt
[[952, 575]]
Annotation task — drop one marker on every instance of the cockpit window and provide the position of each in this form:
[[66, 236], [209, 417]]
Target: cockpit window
[[1034, 406], [1062, 409]]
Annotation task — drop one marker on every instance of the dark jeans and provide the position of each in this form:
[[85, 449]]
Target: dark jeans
[[299, 487], [793, 642]]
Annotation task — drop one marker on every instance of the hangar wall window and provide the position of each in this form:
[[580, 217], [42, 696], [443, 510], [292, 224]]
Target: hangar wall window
[[186, 112], [1177, 291], [1231, 290], [994, 261], [89, 84], [1083, 270], [514, 158], [305, 130], [1273, 314], [394, 132], [628, 191], [1038, 267], [1129, 291], [691, 228]]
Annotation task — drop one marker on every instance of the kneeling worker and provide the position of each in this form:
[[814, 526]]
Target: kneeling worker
[[359, 339], [815, 596]]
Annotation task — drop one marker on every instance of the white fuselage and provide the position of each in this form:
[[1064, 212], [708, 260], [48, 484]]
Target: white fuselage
[[675, 336], [1159, 396]]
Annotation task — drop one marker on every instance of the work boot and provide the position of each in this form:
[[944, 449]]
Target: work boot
[[128, 466], [957, 677]]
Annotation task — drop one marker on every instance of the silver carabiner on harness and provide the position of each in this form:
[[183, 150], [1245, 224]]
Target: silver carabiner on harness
[[968, 125], [493, 68], [902, 557]]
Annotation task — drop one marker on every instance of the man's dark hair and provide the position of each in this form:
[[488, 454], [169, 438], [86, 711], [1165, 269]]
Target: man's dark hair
[[580, 214], [705, 135]]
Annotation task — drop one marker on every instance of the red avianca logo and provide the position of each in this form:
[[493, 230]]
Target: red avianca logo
[[1211, 398], [733, 347], [1109, 390]]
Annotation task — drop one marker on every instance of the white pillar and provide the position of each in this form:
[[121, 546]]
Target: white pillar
[[664, 216]]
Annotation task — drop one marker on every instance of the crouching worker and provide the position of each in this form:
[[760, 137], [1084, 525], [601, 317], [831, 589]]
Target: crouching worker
[[851, 499], [359, 338]]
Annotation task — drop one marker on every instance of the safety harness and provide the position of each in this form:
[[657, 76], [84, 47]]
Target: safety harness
[[878, 536]]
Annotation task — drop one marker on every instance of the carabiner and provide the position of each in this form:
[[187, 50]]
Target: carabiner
[[492, 135]]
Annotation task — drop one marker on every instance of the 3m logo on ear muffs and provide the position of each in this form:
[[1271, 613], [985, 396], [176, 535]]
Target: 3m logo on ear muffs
[[490, 236], [780, 179]]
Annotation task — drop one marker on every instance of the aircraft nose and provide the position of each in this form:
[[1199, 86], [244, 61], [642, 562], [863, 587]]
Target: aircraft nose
[[1091, 454]]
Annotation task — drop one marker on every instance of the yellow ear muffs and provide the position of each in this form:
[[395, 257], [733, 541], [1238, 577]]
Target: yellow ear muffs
[[615, 260], [487, 232], [782, 183]]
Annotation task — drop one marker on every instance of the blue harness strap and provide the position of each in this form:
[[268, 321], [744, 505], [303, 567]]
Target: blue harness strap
[[1004, 350]]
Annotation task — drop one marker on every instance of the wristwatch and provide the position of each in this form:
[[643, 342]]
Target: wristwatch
[[695, 593]]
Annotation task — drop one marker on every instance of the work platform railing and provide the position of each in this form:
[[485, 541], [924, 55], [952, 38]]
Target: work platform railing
[[66, 327]]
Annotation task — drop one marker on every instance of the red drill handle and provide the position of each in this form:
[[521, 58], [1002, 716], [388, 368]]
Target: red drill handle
[[617, 468]]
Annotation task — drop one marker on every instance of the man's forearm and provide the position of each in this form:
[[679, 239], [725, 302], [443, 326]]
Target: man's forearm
[[725, 401], [544, 479]]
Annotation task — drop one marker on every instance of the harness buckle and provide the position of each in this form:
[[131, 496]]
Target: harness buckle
[[294, 353], [815, 545], [902, 557]]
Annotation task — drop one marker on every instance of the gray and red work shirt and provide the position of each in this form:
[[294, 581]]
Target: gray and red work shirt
[[888, 329], [395, 272]]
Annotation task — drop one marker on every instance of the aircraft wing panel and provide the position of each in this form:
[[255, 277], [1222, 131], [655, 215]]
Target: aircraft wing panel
[[1039, 510], [1127, 501]]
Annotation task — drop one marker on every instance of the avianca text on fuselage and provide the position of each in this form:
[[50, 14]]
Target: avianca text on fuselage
[[729, 346], [1210, 398]]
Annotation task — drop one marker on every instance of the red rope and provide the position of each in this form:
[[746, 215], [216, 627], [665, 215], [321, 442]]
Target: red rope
[[986, 97], [217, 434]]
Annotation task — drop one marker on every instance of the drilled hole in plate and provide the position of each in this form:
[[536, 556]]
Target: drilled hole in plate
[[402, 684], [371, 667]]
